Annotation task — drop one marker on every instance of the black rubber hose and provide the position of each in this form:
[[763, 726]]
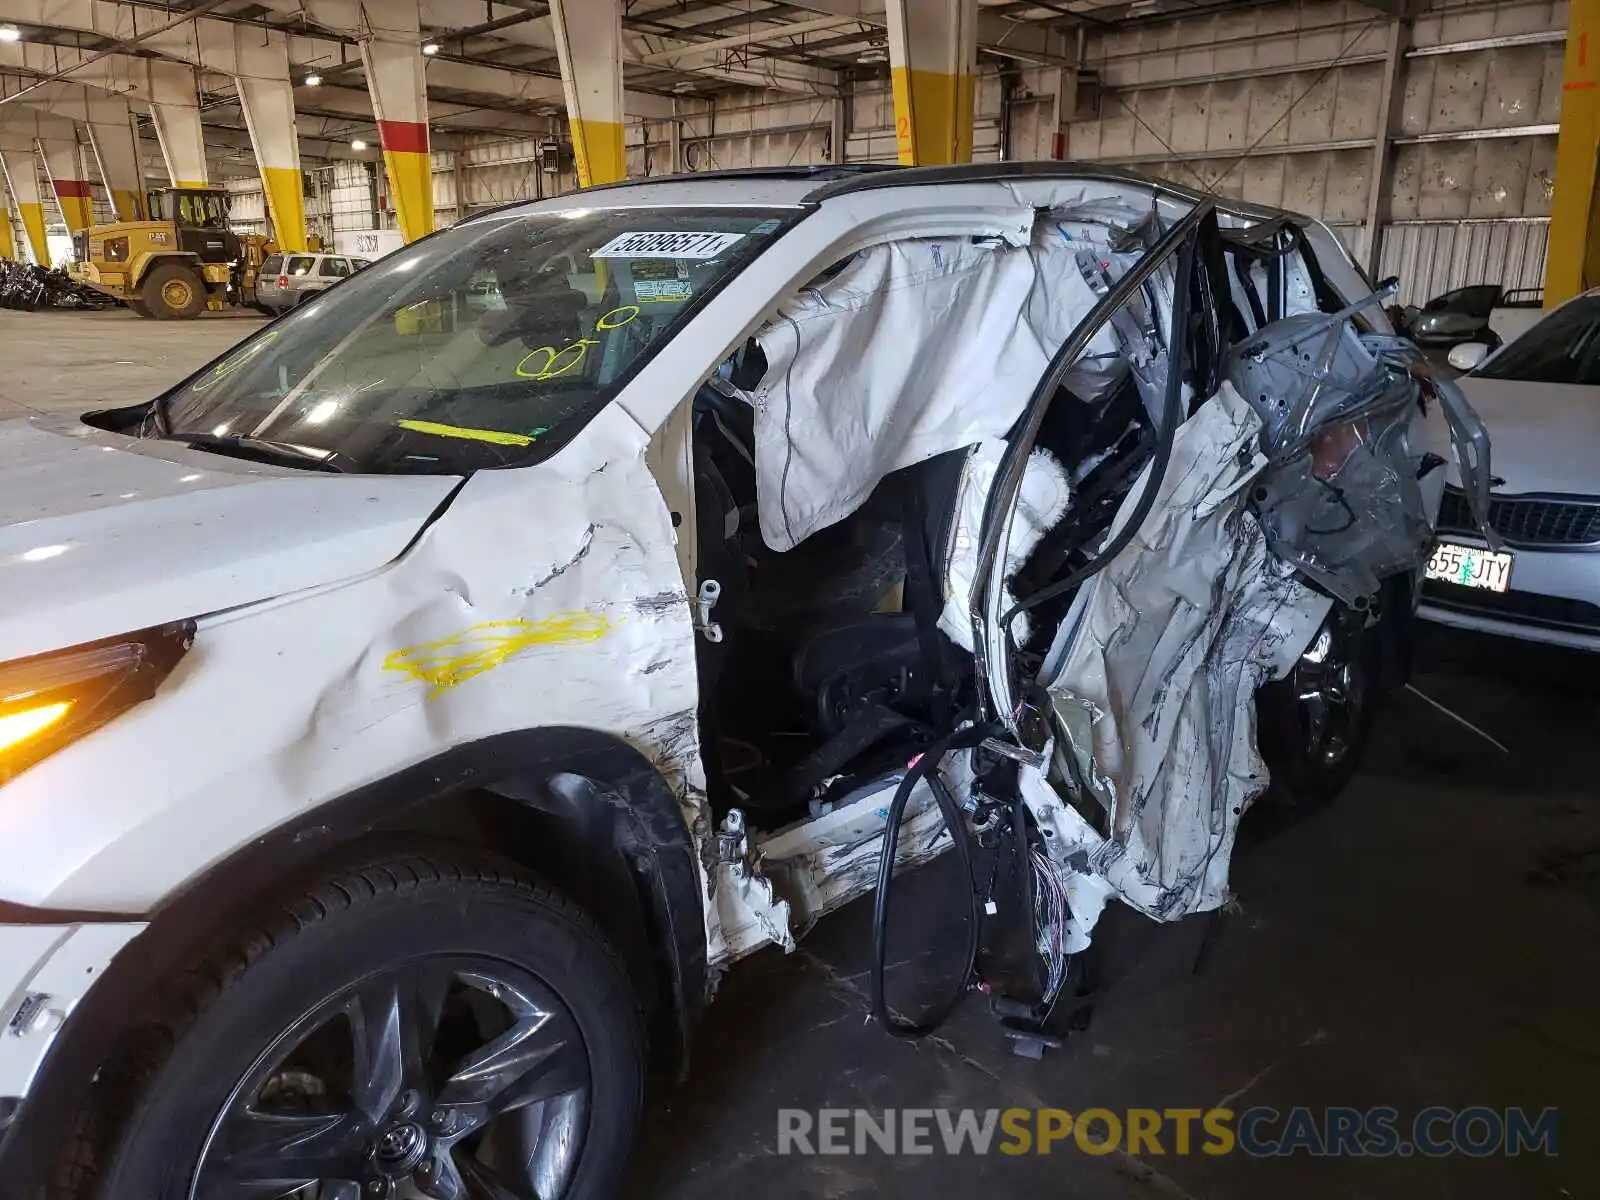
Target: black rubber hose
[[925, 767], [1158, 464]]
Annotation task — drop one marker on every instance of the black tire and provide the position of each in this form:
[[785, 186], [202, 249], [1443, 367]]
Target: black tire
[[173, 292], [161, 1111], [139, 308], [1307, 770]]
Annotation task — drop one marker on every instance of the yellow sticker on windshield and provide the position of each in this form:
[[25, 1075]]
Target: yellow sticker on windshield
[[497, 436]]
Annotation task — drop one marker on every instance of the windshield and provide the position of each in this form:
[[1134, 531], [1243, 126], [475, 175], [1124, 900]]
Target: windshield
[[489, 344], [199, 210], [1562, 348]]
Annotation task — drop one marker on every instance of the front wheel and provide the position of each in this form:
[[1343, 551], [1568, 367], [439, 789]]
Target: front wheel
[[412, 1028], [172, 291]]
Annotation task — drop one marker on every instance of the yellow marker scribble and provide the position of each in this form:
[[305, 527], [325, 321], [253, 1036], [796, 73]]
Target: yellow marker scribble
[[556, 362], [617, 317], [496, 436], [479, 648]]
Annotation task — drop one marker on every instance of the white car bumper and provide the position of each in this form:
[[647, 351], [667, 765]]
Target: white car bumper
[[45, 971], [1554, 598]]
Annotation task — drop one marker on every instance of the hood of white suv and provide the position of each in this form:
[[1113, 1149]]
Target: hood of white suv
[[101, 534]]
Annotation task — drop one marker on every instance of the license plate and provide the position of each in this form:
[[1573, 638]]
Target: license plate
[[1470, 566]]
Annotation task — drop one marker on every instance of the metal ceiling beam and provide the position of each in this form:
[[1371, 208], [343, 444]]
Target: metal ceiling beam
[[1026, 42], [678, 56]]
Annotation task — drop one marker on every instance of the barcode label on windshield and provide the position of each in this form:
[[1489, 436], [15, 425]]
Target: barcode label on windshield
[[667, 245]]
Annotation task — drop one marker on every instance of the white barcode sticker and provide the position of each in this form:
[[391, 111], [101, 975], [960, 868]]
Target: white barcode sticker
[[667, 245]]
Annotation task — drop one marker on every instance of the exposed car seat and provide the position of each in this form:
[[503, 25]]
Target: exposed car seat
[[837, 636]]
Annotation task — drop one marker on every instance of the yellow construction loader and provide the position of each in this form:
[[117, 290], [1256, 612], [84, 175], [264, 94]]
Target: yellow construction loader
[[176, 265]]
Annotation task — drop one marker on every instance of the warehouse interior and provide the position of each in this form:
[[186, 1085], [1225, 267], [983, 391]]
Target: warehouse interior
[[1425, 943]]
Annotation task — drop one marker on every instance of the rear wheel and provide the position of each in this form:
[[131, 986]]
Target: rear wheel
[[1313, 724], [173, 292], [413, 1028]]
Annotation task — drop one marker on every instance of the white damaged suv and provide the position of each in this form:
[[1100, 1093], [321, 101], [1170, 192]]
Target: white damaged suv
[[407, 718]]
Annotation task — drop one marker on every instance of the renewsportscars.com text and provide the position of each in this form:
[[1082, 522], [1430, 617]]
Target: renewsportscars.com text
[[1260, 1132]]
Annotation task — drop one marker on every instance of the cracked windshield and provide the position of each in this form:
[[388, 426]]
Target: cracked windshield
[[487, 345]]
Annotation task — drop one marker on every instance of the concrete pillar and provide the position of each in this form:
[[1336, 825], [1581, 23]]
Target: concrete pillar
[[391, 51], [1381, 174], [1064, 101], [8, 244], [258, 61], [1573, 261], [933, 52], [116, 151], [175, 113], [589, 46], [269, 115], [57, 139], [22, 177]]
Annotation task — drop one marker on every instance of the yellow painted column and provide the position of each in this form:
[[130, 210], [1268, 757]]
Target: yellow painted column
[[1572, 262], [589, 47], [8, 245], [268, 106], [397, 81], [933, 48], [22, 177]]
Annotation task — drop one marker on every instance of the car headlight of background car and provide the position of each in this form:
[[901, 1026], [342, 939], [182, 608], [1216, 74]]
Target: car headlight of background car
[[51, 700]]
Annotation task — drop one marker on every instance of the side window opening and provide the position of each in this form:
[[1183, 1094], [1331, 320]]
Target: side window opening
[[299, 264]]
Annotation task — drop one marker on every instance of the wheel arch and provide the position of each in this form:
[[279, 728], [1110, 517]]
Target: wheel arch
[[580, 807]]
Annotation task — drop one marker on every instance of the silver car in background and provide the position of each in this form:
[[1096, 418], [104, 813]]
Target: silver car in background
[[1539, 396], [288, 279]]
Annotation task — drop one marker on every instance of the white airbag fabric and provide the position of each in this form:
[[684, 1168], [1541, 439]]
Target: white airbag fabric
[[1042, 501], [914, 349]]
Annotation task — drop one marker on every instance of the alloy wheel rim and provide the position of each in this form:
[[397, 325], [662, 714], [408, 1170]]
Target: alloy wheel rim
[[448, 1078], [1330, 687]]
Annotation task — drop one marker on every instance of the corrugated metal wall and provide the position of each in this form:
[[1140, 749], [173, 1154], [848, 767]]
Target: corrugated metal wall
[[1431, 257], [1280, 105]]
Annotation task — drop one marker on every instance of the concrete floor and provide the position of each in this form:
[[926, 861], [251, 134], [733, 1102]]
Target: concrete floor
[[66, 361], [1433, 938]]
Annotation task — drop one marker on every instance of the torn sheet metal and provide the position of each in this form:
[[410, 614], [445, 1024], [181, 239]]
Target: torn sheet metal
[[1166, 649], [826, 861], [1340, 498]]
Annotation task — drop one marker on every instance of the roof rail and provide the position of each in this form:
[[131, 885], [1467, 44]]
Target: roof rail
[[820, 172]]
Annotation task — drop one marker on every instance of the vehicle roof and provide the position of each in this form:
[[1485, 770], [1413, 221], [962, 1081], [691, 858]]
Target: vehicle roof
[[797, 186]]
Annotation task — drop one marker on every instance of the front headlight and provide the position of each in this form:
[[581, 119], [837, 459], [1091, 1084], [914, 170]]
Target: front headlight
[[50, 701]]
